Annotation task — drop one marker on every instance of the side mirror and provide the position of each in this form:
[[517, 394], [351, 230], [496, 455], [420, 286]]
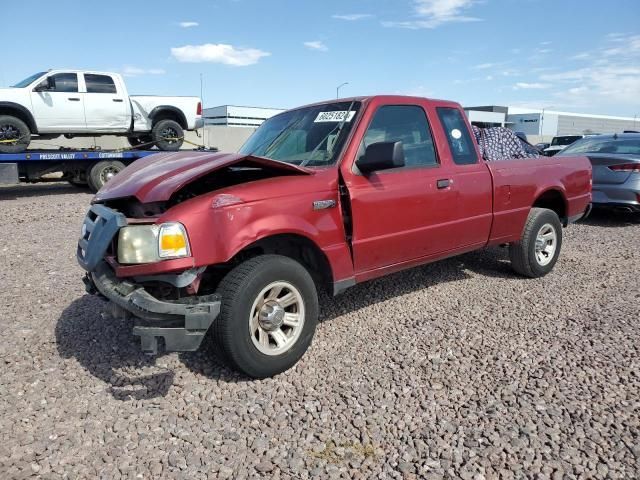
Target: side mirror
[[381, 156]]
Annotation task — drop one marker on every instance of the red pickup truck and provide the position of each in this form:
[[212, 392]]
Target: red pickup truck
[[322, 196]]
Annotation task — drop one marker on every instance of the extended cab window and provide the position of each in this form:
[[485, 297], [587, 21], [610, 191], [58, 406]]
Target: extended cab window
[[403, 123], [460, 144], [62, 82], [99, 83]]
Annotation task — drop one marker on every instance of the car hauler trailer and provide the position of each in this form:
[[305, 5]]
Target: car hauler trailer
[[92, 168]]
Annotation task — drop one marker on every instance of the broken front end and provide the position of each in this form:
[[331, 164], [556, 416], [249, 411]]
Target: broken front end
[[167, 305]]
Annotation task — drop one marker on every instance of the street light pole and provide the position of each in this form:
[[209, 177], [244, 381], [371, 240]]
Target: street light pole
[[339, 87]]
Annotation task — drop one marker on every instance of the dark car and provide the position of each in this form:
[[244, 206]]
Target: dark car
[[616, 168], [559, 143]]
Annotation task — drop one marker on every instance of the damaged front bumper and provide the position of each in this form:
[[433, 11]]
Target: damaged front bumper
[[182, 324]]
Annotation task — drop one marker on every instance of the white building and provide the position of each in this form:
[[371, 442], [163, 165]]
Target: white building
[[540, 124], [235, 116], [549, 123]]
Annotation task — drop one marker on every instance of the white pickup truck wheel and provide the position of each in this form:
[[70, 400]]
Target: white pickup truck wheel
[[15, 135], [269, 315], [167, 135]]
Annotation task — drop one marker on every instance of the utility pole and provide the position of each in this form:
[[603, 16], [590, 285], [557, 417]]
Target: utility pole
[[339, 87], [204, 127]]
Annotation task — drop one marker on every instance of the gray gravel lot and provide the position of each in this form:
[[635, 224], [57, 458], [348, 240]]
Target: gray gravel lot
[[454, 370]]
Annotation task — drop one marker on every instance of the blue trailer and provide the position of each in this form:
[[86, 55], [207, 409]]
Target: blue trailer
[[92, 168]]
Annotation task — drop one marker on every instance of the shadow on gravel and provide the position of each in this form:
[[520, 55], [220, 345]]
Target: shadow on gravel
[[602, 217], [15, 192], [491, 262], [107, 349]]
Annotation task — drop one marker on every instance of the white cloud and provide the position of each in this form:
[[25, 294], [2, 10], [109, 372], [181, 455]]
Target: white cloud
[[580, 56], [218, 53], [529, 86], [130, 71], [484, 66], [433, 13], [316, 45], [353, 16], [188, 24], [611, 79]]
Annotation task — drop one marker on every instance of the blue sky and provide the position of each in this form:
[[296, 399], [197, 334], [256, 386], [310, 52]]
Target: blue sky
[[569, 55]]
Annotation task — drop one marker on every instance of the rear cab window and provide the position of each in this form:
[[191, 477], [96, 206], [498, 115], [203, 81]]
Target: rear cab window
[[462, 147], [99, 83]]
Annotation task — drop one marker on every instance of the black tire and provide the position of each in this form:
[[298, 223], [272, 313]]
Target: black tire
[[12, 128], [167, 135], [523, 254], [144, 141], [239, 289], [102, 172]]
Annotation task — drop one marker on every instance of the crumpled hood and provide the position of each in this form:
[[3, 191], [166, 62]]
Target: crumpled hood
[[156, 177]]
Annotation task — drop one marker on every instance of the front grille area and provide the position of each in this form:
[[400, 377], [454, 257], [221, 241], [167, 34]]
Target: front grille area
[[98, 230]]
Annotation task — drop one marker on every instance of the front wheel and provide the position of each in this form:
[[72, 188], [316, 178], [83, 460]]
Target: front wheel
[[167, 135], [537, 251], [15, 135], [269, 315]]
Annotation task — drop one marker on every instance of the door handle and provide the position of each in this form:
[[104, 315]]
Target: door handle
[[74, 99], [119, 100], [443, 183]]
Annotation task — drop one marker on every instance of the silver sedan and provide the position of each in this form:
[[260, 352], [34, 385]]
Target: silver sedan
[[616, 169]]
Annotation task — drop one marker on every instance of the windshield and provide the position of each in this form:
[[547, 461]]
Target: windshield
[[311, 136], [566, 140], [27, 81], [605, 145]]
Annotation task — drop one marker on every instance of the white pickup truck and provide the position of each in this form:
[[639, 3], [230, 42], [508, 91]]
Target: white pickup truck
[[87, 103]]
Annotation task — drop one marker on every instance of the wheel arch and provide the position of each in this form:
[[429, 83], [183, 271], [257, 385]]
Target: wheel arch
[[553, 199], [168, 112], [296, 246], [21, 112]]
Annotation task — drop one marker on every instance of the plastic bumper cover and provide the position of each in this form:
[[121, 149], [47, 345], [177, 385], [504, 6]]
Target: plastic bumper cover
[[182, 324]]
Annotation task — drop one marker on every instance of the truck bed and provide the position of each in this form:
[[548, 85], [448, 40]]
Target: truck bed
[[514, 189]]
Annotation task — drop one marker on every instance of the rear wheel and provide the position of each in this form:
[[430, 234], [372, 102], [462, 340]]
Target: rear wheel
[[537, 251], [167, 135], [15, 135], [102, 172], [268, 316]]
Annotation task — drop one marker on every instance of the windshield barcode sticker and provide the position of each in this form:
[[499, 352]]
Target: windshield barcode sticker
[[337, 116]]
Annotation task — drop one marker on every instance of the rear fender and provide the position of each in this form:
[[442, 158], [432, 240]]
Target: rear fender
[[169, 111]]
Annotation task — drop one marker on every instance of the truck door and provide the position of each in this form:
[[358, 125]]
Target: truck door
[[106, 109], [58, 105], [470, 180], [401, 214]]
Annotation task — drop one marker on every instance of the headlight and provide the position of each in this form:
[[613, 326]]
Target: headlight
[[151, 243]]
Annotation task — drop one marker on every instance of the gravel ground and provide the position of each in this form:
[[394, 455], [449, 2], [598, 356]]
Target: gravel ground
[[454, 370]]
